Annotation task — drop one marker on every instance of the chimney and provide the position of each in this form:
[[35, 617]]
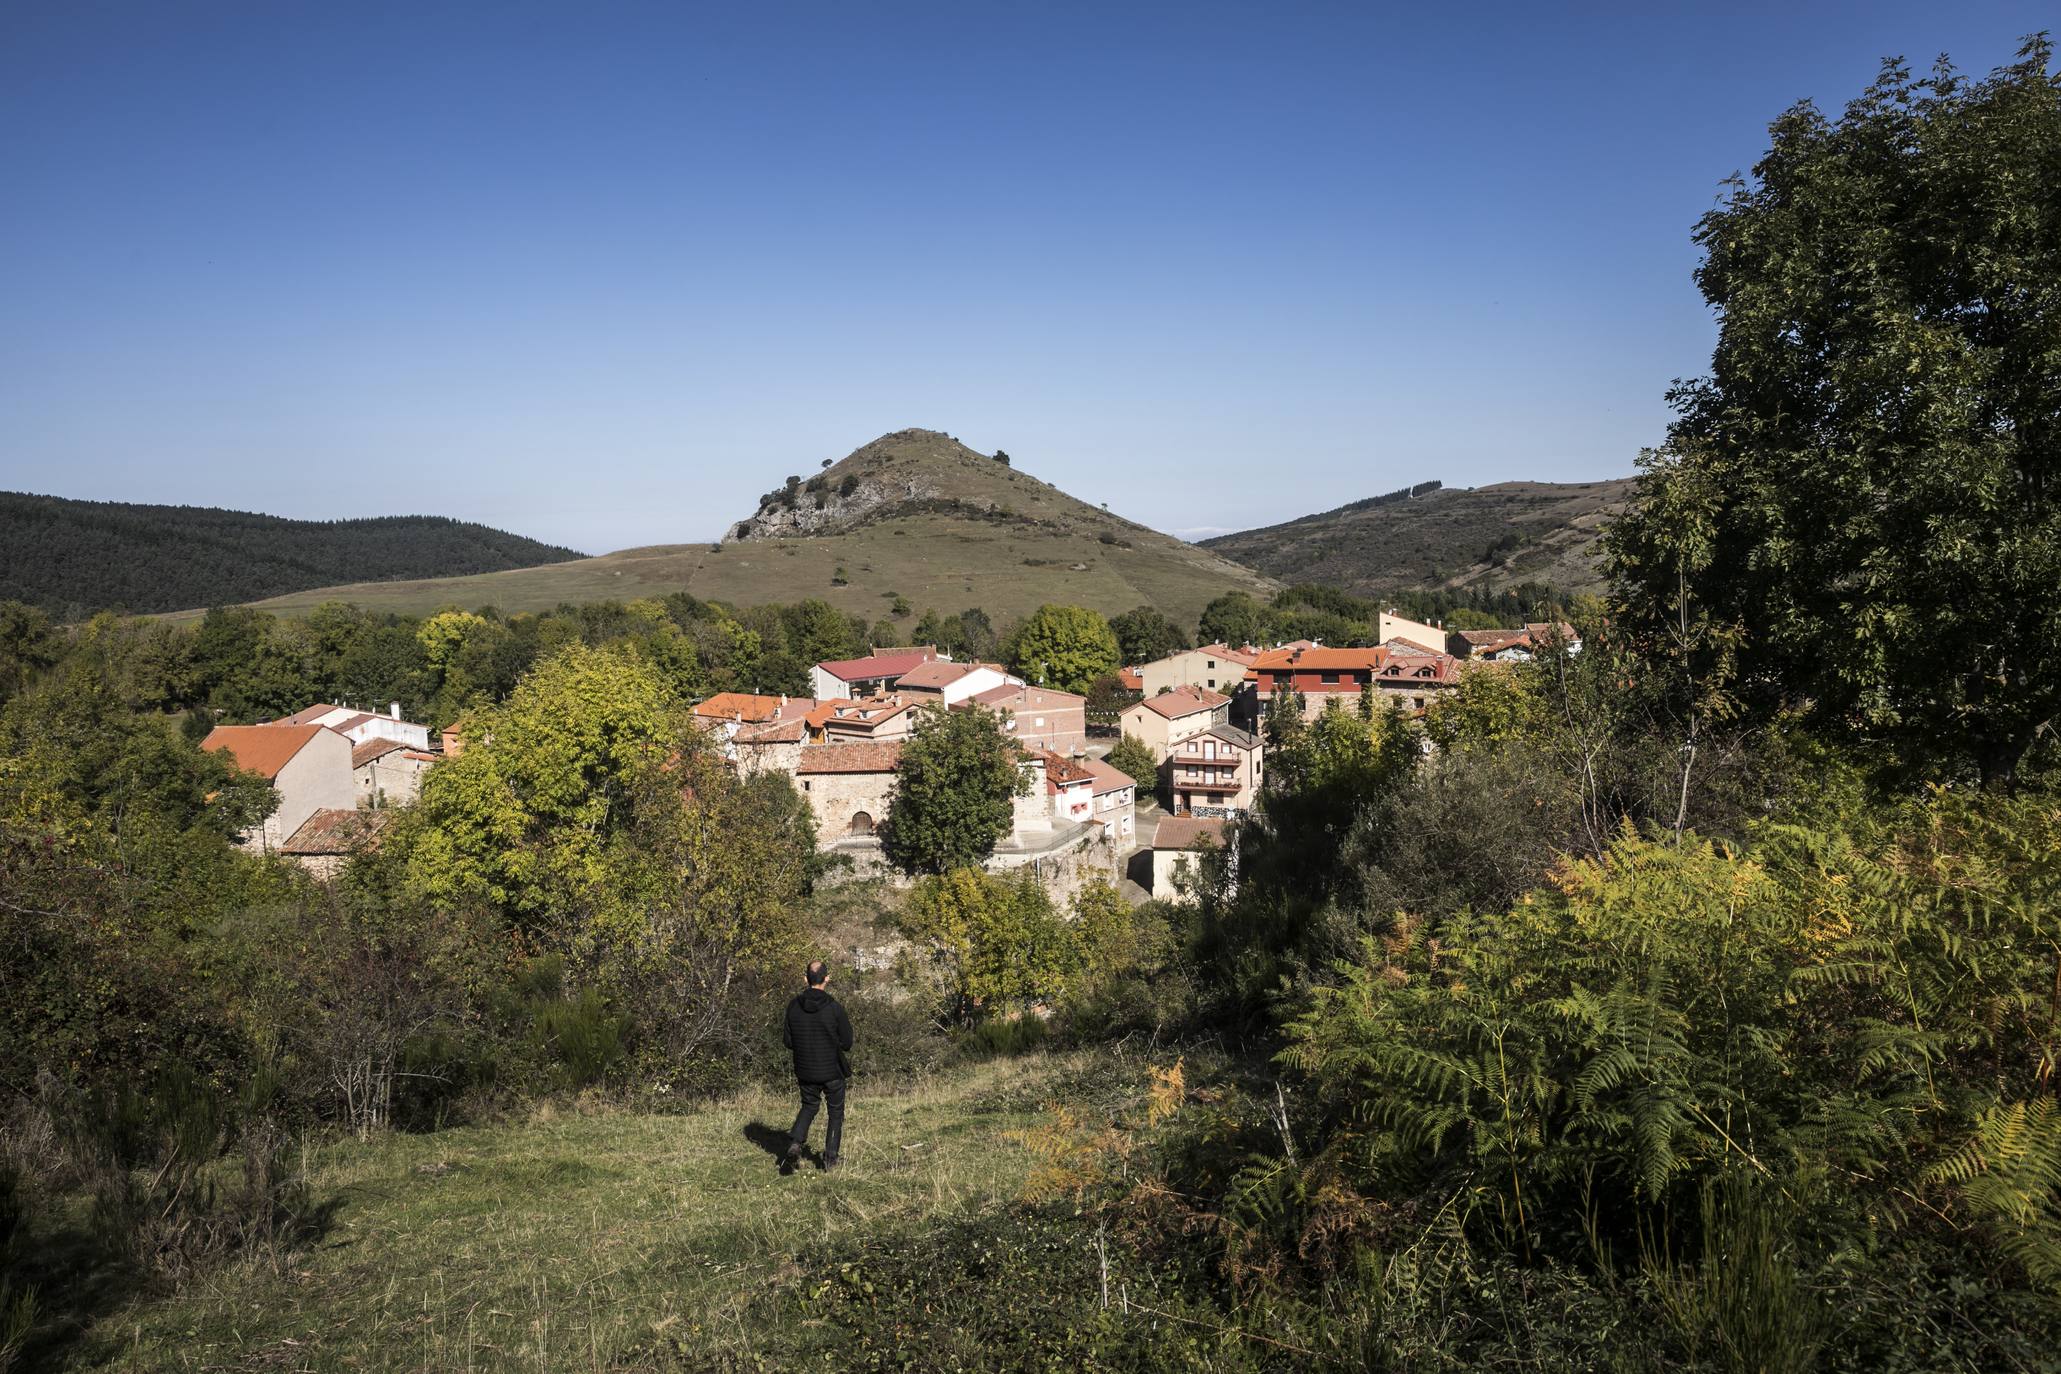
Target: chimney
[[393, 710], [783, 701]]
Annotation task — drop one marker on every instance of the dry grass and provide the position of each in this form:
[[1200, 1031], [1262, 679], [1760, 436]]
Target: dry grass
[[558, 1243]]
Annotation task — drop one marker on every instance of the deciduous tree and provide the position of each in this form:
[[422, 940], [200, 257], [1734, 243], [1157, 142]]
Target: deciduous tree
[[953, 790], [1876, 453], [1066, 647]]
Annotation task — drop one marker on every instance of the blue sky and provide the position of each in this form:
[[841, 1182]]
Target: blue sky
[[601, 273]]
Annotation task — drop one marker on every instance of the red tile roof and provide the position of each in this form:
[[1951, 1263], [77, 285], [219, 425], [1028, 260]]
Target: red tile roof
[[877, 665], [374, 748], [1061, 771], [936, 673], [309, 715], [262, 749], [1187, 832], [1108, 779], [1184, 701], [1021, 699], [1129, 680], [732, 705], [1289, 657], [1494, 639], [1245, 656], [774, 732], [878, 757], [337, 832]]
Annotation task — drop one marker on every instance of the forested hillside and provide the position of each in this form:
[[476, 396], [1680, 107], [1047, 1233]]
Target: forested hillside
[[1432, 536], [77, 557]]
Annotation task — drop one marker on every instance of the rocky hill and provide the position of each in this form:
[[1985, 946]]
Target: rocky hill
[[1460, 537], [77, 557], [913, 519]]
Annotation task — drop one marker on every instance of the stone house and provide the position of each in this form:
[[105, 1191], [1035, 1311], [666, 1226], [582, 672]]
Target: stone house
[[309, 767], [386, 773], [848, 787], [1165, 719], [327, 840], [1215, 773]]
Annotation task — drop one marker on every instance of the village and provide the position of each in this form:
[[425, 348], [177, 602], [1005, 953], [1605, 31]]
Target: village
[[340, 772]]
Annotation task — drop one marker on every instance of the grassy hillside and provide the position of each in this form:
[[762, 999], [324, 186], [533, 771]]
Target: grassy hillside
[[76, 557], [914, 514], [1488, 537], [584, 1241]]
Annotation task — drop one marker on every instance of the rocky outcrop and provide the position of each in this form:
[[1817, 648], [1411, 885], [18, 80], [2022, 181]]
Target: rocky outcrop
[[828, 508]]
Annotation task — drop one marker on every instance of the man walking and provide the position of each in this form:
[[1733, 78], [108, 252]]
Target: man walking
[[819, 1033]]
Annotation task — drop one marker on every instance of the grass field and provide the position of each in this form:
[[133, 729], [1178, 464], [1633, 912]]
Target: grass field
[[949, 530], [569, 1242]]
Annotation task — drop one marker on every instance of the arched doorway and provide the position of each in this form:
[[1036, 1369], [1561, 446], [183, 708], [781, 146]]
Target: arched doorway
[[862, 824]]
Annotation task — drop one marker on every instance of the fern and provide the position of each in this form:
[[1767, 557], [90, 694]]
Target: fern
[[2008, 1173]]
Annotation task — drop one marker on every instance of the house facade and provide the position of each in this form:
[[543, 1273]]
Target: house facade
[[1163, 720], [309, 767], [951, 683], [878, 672], [1116, 801], [1214, 667], [847, 786], [1038, 717], [1216, 773], [359, 726], [385, 773]]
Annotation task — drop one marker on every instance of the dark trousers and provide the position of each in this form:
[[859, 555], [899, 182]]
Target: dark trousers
[[833, 1130]]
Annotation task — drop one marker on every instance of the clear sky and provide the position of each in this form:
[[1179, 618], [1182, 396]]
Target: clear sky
[[603, 272]]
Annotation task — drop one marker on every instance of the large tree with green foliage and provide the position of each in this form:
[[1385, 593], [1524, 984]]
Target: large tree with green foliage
[[1066, 647], [1144, 633], [1233, 618], [953, 791], [1868, 484]]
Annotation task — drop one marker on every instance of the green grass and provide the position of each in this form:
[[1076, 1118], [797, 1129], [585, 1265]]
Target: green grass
[[564, 1241], [968, 533], [938, 562]]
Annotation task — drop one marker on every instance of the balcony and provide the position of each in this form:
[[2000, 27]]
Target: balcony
[[1223, 786]]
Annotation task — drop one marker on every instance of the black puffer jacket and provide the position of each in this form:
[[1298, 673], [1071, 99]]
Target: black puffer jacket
[[817, 1030]]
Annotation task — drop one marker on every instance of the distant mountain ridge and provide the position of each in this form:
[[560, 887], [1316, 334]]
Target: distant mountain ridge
[[77, 557], [913, 521], [1433, 536]]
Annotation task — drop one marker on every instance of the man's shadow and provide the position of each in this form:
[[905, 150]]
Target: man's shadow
[[774, 1142]]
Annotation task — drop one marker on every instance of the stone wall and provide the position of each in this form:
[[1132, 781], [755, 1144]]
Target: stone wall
[[836, 797]]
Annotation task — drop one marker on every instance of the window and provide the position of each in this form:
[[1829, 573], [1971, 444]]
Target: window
[[1328, 679], [805, 784], [1212, 684], [1210, 664], [1039, 723]]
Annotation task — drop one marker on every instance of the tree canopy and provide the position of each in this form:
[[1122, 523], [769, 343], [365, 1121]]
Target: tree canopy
[[953, 790], [1867, 486], [1144, 634], [1066, 647]]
